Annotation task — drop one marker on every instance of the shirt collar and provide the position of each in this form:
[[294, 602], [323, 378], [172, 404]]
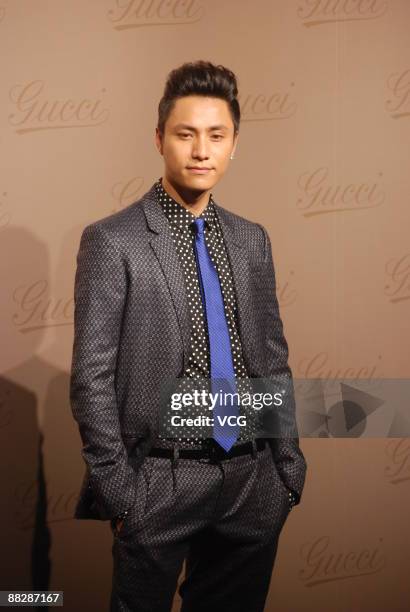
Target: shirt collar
[[181, 217]]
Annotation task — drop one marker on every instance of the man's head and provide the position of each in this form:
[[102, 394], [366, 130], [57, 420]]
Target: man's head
[[198, 124]]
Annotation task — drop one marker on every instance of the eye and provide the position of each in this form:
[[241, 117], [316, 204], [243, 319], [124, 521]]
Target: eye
[[218, 136], [183, 134]]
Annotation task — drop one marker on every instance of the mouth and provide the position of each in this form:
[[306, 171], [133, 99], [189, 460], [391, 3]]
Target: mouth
[[198, 170]]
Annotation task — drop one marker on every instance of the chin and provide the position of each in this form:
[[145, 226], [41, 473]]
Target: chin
[[203, 181]]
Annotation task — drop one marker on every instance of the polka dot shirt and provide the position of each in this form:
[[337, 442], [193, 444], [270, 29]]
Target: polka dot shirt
[[180, 220]]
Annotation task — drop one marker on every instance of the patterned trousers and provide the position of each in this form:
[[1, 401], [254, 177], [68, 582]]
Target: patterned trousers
[[223, 518]]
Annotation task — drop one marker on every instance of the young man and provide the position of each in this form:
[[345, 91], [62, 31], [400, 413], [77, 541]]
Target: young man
[[176, 286]]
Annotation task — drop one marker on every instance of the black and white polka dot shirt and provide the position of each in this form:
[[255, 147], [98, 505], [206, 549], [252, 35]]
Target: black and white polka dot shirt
[[182, 230]]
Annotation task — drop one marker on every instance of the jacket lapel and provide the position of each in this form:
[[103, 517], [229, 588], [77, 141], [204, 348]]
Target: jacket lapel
[[163, 246], [241, 273]]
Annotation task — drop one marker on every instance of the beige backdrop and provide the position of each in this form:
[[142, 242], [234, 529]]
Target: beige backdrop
[[322, 162]]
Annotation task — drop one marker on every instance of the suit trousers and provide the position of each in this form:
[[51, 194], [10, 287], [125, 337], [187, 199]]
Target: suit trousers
[[222, 517]]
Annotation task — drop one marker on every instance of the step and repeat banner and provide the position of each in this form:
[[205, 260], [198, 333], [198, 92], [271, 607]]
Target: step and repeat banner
[[322, 162]]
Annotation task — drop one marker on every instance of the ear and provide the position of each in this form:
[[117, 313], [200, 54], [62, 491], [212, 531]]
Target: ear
[[235, 142], [158, 140]]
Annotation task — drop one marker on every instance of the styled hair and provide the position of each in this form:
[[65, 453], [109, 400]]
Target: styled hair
[[199, 78]]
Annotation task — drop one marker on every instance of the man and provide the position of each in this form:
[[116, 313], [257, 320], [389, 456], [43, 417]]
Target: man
[[176, 286]]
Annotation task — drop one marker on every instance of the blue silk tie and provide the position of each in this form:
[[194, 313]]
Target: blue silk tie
[[221, 366]]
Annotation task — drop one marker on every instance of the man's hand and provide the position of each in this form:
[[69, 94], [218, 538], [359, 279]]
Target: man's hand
[[118, 521]]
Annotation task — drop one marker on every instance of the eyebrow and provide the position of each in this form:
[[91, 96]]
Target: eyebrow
[[191, 127]]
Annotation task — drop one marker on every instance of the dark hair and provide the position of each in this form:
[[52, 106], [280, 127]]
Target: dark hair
[[199, 78]]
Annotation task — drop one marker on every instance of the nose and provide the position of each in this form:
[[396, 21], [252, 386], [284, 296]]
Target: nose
[[199, 148]]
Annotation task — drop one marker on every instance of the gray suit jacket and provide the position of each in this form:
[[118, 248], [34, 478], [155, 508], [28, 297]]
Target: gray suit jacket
[[132, 329]]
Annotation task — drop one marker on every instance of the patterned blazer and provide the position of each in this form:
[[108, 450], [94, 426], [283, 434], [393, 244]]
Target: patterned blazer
[[132, 329]]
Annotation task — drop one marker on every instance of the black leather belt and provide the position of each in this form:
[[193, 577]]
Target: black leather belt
[[212, 450]]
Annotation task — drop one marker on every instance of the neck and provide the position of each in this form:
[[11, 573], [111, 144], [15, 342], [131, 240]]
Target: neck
[[195, 202]]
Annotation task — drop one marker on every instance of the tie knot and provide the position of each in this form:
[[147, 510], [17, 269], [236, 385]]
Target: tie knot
[[199, 226]]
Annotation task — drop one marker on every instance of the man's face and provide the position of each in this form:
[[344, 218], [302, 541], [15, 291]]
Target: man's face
[[199, 132]]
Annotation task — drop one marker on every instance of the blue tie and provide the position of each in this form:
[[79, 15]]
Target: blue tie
[[222, 369]]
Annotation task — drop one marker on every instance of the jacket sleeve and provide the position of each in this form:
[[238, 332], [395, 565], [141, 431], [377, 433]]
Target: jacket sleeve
[[288, 456], [100, 291]]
